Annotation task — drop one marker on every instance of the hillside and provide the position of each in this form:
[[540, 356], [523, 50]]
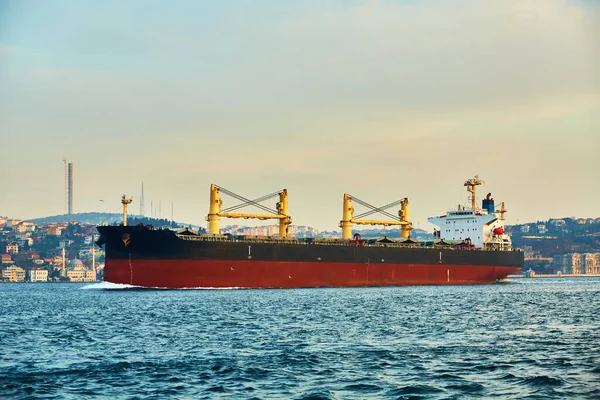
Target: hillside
[[98, 218], [93, 218], [557, 236]]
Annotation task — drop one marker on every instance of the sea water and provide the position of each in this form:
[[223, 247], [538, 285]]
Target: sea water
[[529, 338]]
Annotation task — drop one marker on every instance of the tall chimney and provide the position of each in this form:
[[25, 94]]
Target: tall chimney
[[70, 188]]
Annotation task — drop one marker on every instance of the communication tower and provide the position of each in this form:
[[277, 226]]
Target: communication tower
[[65, 171], [142, 205], [70, 188]]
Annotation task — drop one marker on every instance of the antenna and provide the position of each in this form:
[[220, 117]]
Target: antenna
[[142, 205]]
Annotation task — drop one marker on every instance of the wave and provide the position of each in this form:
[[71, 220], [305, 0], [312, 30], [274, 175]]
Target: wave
[[542, 380], [109, 286]]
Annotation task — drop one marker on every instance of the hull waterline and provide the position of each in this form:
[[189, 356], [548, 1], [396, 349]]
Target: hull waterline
[[257, 274]]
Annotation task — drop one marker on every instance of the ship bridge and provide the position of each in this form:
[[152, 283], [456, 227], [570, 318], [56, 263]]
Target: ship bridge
[[483, 227], [462, 225]]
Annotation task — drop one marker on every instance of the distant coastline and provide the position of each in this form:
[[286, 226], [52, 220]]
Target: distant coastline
[[529, 276]]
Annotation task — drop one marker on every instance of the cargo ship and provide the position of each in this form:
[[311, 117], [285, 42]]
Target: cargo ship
[[470, 247]]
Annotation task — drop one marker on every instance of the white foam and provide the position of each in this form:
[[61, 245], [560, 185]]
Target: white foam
[[213, 288], [108, 285], [117, 286]]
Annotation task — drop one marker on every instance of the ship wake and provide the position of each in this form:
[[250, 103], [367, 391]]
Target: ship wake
[[122, 286], [109, 286]]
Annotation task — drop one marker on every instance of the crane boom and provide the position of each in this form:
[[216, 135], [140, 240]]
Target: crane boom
[[215, 211], [348, 217]]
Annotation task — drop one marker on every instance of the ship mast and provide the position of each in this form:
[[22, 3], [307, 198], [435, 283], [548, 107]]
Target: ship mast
[[470, 184], [125, 201]]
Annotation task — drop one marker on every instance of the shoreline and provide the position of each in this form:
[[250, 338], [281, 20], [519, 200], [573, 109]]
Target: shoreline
[[519, 276]]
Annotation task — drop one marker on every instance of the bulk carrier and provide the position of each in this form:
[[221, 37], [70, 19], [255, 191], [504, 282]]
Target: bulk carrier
[[470, 247]]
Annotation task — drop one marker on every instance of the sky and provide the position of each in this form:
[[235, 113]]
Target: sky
[[379, 99]]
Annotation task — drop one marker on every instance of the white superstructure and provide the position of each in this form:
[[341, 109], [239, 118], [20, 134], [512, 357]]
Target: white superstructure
[[482, 227]]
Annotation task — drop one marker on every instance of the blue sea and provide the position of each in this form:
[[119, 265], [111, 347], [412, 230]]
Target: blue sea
[[525, 339]]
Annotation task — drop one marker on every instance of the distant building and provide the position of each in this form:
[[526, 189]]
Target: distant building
[[54, 231], [13, 274], [65, 243], [6, 258], [20, 228], [57, 260], [24, 226], [12, 248], [79, 273], [84, 253], [11, 223], [541, 228], [525, 228], [38, 275], [568, 263], [24, 242], [558, 222], [590, 263], [529, 252], [75, 263]]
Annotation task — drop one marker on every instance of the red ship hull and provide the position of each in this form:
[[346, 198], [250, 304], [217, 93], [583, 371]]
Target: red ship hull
[[272, 274]]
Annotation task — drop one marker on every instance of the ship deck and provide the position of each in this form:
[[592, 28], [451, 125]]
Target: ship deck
[[380, 243]]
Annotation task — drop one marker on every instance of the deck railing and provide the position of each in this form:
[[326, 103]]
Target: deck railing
[[329, 242]]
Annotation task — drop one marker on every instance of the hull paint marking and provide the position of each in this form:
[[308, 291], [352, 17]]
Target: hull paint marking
[[130, 271]]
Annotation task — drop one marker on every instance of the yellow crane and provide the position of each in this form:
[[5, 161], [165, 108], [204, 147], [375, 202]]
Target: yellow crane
[[215, 211], [502, 211], [348, 217]]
